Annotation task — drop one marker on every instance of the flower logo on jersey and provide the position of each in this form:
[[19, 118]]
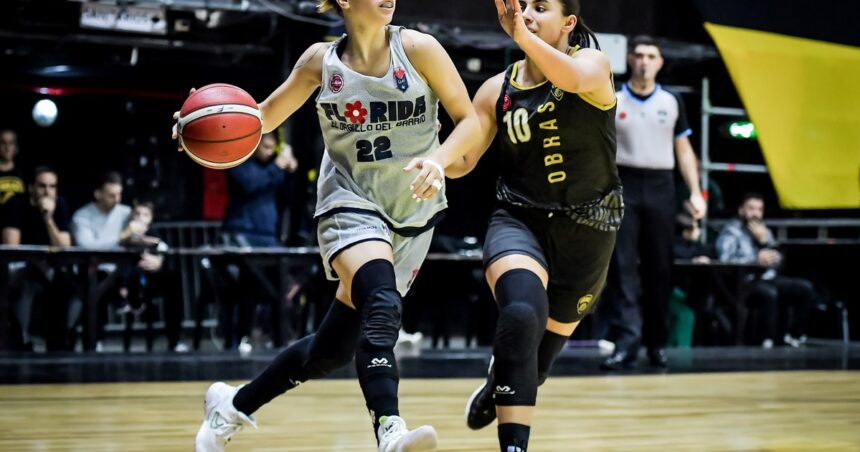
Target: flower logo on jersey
[[506, 104], [400, 79], [335, 83], [558, 93], [355, 112]]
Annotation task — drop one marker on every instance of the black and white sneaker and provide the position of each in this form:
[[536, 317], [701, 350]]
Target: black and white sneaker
[[481, 407]]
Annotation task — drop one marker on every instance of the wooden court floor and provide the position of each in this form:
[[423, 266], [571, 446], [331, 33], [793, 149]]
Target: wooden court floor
[[772, 411]]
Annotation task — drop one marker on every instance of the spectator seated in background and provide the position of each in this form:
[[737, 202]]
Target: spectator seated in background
[[100, 223], [784, 301], [41, 218], [11, 180], [152, 278], [691, 307]]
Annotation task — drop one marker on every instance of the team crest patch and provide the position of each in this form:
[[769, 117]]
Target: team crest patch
[[583, 303], [400, 79], [506, 104], [335, 83], [557, 92]]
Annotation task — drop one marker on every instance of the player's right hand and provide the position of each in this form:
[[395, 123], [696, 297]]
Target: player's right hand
[[175, 134], [511, 19]]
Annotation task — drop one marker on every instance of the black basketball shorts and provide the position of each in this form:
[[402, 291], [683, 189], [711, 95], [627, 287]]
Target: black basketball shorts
[[575, 256]]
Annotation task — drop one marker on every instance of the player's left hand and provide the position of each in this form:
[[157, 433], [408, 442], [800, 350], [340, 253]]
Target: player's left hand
[[511, 19], [429, 180]]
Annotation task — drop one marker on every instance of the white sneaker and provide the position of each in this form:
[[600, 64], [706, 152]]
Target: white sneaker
[[221, 420], [395, 437]]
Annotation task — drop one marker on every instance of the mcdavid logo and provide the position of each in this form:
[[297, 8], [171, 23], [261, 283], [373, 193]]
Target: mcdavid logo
[[378, 362], [505, 390]]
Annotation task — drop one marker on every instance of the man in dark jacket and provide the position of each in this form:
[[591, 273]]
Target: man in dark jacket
[[252, 217]]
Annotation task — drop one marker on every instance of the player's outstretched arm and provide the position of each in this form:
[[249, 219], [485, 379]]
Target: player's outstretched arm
[[434, 64], [588, 71], [292, 94], [485, 106]]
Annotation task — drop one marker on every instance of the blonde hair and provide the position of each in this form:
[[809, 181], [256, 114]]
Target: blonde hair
[[324, 6]]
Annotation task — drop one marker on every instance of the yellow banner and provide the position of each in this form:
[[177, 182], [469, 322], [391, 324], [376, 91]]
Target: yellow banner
[[804, 98]]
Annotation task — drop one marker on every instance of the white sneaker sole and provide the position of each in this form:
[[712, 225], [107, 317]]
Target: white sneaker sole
[[422, 439]]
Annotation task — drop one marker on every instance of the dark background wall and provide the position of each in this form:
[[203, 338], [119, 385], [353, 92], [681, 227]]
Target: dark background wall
[[116, 93]]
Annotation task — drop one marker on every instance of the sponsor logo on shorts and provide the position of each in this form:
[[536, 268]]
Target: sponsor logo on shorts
[[506, 390], [583, 303]]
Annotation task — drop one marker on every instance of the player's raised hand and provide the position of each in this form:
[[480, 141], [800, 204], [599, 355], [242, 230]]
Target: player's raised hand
[[429, 180], [175, 134], [511, 18]]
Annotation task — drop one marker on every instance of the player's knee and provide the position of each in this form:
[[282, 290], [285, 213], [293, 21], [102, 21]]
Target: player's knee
[[374, 291], [518, 332], [381, 319]]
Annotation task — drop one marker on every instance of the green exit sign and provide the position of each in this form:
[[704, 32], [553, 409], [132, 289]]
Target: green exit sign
[[742, 130]]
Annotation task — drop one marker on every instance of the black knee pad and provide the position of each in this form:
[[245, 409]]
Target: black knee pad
[[516, 331], [523, 313], [515, 352], [374, 293]]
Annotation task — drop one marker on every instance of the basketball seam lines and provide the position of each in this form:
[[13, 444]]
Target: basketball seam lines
[[212, 110], [256, 131]]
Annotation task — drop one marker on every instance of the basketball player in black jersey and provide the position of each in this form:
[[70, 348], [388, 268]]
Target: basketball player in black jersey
[[551, 236]]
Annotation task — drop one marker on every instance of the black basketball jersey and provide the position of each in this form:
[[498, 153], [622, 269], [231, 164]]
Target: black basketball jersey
[[557, 150]]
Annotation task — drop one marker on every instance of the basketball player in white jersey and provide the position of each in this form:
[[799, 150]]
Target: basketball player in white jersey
[[379, 91]]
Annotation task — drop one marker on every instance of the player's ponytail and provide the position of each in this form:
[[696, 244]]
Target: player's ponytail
[[581, 36]]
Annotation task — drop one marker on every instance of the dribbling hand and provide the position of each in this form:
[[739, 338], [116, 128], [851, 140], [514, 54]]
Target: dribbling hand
[[175, 134], [429, 181]]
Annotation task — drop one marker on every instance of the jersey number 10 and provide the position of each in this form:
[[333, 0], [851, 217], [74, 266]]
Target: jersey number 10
[[518, 125]]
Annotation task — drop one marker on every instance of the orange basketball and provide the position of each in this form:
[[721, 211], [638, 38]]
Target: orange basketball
[[219, 126]]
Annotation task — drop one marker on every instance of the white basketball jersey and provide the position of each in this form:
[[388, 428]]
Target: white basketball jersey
[[372, 127]]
